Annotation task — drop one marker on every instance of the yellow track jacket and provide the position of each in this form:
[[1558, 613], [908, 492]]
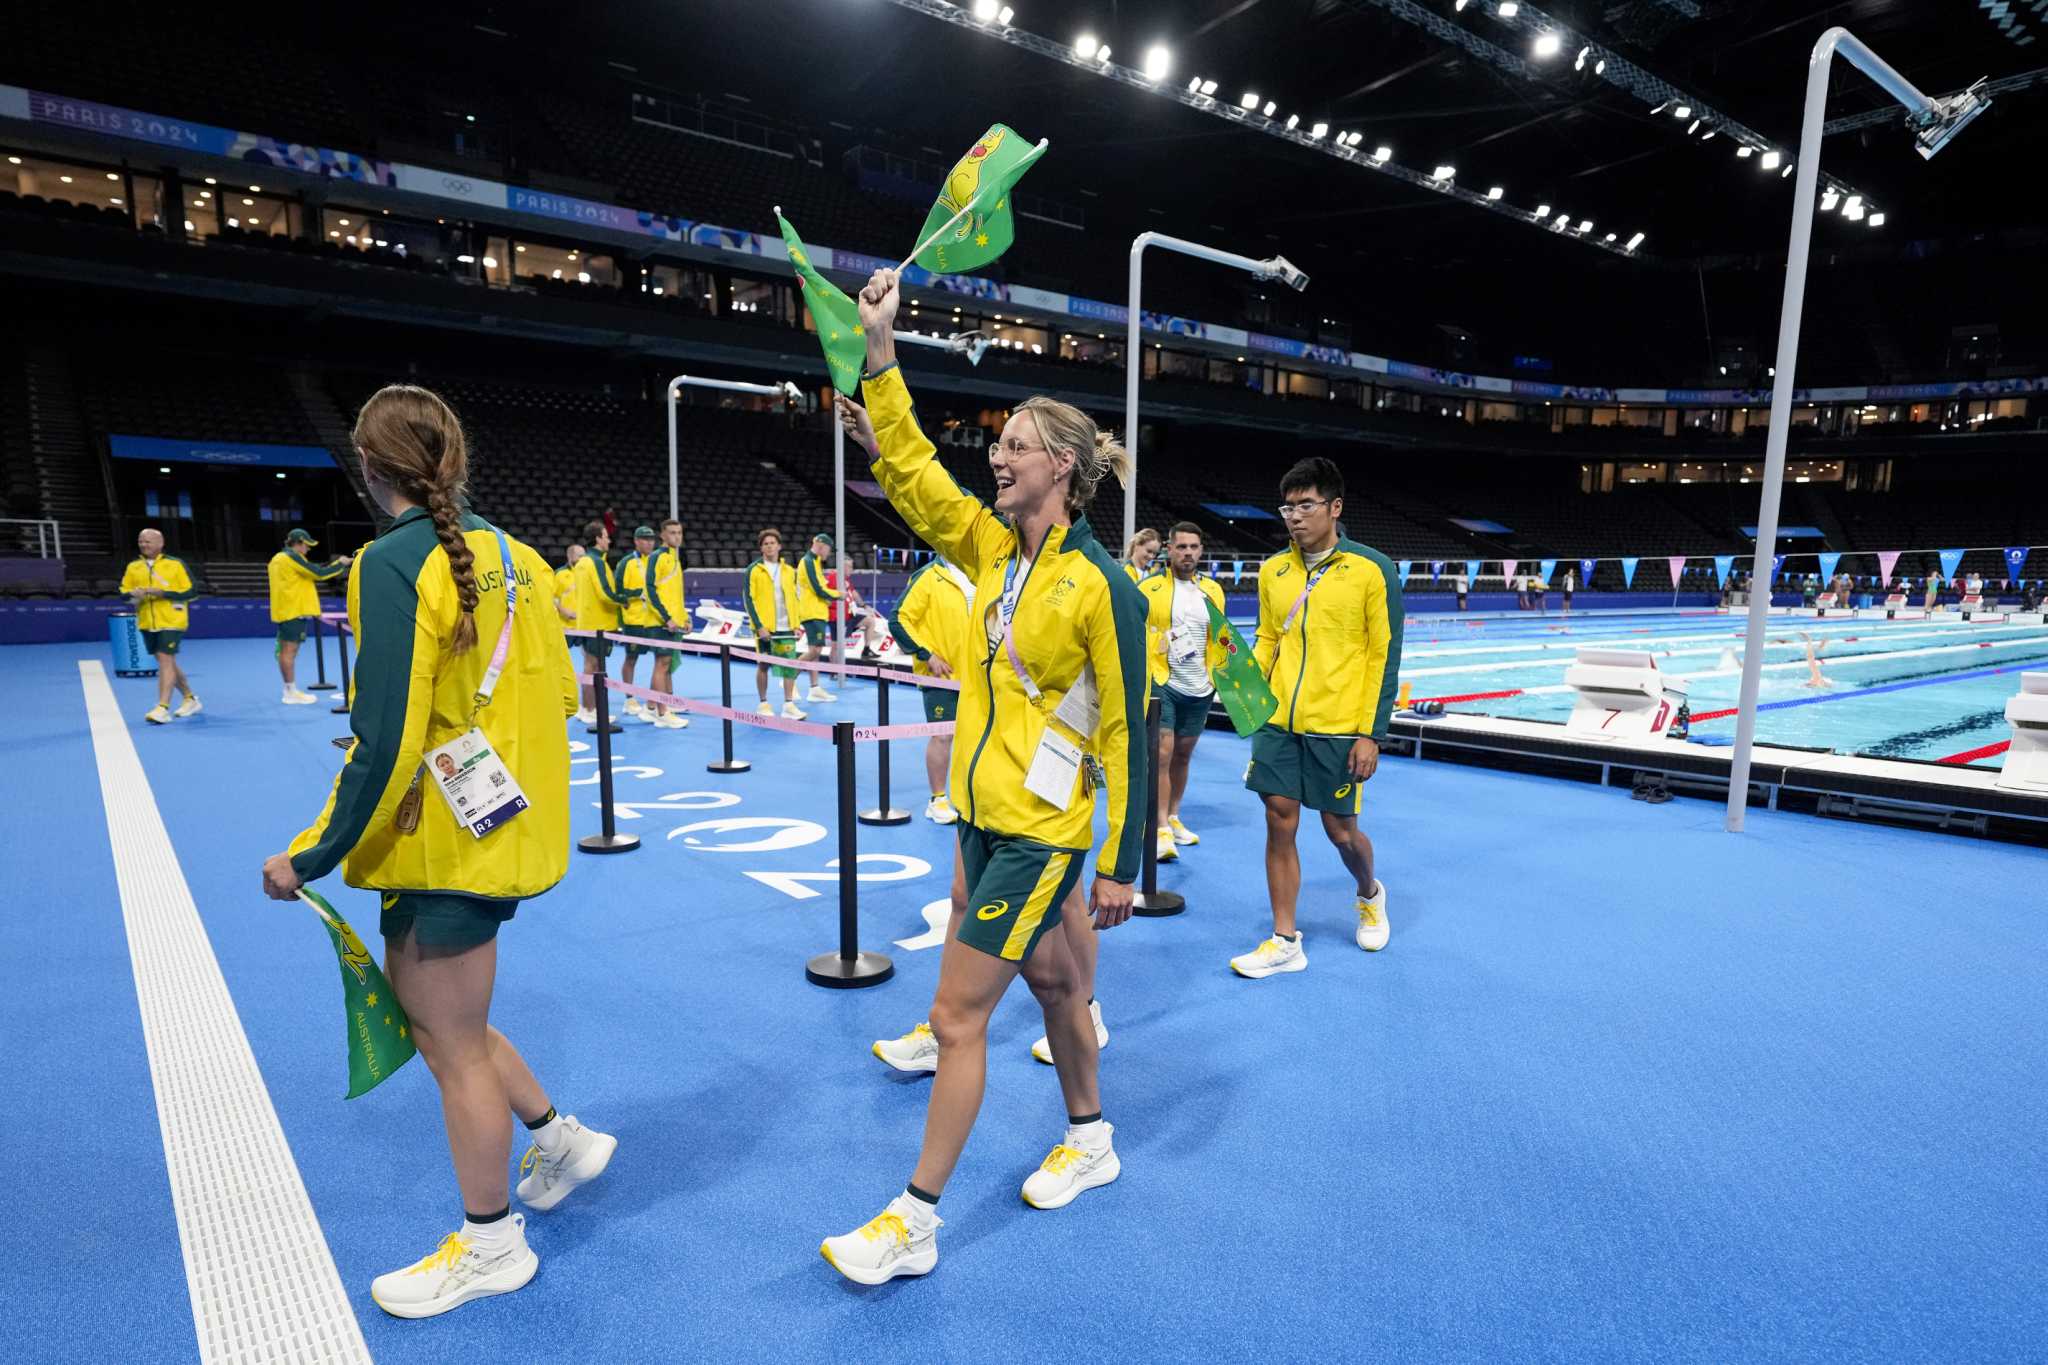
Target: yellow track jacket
[[295, 585], [410, 694], [169, 574], [761, 578], [814, 596], [1158, 590], [932, 617], [1335, 668]]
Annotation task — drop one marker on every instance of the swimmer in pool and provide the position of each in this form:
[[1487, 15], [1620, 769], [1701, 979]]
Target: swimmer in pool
[[1814, 649]]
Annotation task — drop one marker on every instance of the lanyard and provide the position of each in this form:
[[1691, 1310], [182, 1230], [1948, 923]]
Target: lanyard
[[1006, 609], [504, 648], [1306, 589], [150, 565]]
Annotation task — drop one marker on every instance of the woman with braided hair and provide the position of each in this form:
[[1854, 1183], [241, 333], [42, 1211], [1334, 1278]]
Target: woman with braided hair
[[461, 657]]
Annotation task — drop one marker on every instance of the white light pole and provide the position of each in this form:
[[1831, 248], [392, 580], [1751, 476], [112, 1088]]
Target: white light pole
[[783, 390], [1933, 122], [1271, 268]]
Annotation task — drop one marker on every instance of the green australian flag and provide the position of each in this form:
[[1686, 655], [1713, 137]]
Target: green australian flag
[[1240, 683], [379, 1035], [981, 179], [836, 316]]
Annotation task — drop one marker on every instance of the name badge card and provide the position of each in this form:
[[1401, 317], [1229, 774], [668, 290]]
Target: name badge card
[[475, 782]]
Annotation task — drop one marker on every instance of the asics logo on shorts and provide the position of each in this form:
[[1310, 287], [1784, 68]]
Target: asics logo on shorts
[[993, 910], [1342, 791]]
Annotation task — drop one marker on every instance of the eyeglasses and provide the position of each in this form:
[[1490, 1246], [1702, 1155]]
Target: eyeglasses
[[1011, 448], [1290, 511]]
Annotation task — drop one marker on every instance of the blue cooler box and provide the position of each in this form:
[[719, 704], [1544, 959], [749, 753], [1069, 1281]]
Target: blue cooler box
[[131, 660]]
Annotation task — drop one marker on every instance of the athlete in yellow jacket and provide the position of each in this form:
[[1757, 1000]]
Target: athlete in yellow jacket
[[816, 603], [160, 585], [1055, 609], [295, 596], [662, 588], [444, 720], [1182, 640], [638, 616], [771, 598], [1330, 643], [599, 604]]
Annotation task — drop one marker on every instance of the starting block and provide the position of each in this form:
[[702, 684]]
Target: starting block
[[721, 625], [1831, 604], [1973, 609], [1895, 609], [1621, 695], [2026, 761]]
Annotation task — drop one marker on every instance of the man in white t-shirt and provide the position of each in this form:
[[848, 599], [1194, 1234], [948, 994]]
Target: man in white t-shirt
[[1179, 633]]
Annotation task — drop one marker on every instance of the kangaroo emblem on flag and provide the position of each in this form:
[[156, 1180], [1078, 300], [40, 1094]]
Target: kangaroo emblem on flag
[[965, 179]]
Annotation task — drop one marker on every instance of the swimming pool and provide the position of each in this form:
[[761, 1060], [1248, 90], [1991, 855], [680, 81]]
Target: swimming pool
[[1929, 690]]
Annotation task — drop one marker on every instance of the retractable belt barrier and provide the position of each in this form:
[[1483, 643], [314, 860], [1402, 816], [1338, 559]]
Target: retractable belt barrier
[[847, 966], [342, 634]]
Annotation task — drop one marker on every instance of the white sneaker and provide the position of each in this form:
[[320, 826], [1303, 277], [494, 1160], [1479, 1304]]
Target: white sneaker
[[1166, 849], [545, 1180], [1181, 833], [896, 1241], [820, 694], [456, 1272], [917, 1050], [294, 697], [587, 716], [767, 708], [158, 714], [1042, 1049], [633, 706], [1276, 954], [673, 720], [1372, 919], [939, 810], [648, 714], [794, 712], [1070, 1169], [190, 707]]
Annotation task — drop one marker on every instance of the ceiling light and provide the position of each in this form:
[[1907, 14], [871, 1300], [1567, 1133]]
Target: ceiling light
[[1543, 210], [14, 161], [1495, 193], [248, 203], [1102, 53], [490, 262], [1709, 135], [1634, 242], [1769, 161], [1005, 15], [464, 260], [1852, 208], [1876, 220], [516, 248], [1548, 45], [1745, 151], [1585, 224], [114, 199], [208, 194], [1248, 101], [1319, 130], [1292, 120], [255, 189], [65, 178], [572, 255], [1692, 127], [211, 181], [1357, 138], [1459, 5], [1610, 236], [1445, 172], [1580, 64], [1508, 9], [113, 175], [1787, 171], [985, 11], [1271, 105], [583, 277], [382, 242], [1600, 67], [1159, 61], [1682, 112], [163, 469], [280, 475], [1194, 85], [1085, 45], [1383, 154], [331, 232]]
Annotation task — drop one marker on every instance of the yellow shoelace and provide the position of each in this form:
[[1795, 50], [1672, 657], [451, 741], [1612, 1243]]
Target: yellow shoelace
[[923, 1031], [1368, 916], [444, 1257], [1062, 1157], [886, 1222]]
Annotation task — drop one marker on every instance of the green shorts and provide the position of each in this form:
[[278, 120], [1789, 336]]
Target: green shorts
[[598, 649], [1181, 715], [1312, 769], [443, 919], [634, 651], [940, 703], [1014, 891], [817, 633], [162, 641], [291, 632]]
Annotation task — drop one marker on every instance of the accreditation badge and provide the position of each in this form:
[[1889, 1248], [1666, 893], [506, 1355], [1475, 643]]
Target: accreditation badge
[[475, 782]]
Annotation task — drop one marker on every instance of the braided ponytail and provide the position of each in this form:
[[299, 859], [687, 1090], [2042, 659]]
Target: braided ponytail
[[410, 440]]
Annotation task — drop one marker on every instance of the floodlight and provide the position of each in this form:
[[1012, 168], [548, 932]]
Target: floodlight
[[1084, 46], [1543, 210], [1944, 118], [1548, 45], [1319, 130], [1383, 154], [1495, 193], [1158, 62]]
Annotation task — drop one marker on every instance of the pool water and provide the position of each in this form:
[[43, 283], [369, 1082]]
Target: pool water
[[1931, 690]]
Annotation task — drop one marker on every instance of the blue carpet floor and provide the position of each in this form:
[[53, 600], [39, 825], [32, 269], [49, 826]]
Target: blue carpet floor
[[1623, 1086]]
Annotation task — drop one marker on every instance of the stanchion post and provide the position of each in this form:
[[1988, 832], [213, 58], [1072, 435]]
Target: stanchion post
[[1150, 901], [849, 967], [610, 841], [883, 813], [320, 658], [728, 764], [341, 653]]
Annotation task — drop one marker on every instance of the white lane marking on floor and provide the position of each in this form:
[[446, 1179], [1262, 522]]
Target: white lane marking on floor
[[263, 1284]]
